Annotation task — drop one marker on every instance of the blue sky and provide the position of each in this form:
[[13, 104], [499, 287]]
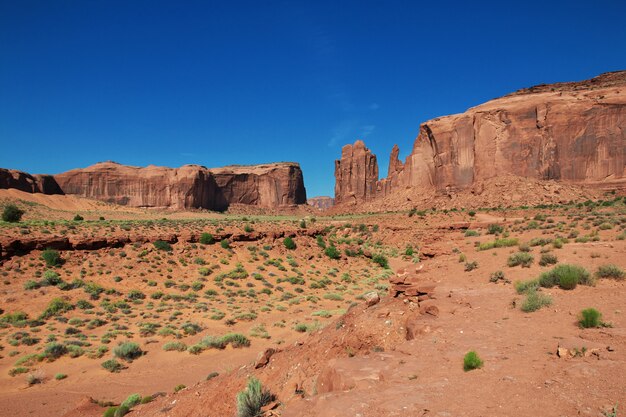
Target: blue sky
[[234, 82]]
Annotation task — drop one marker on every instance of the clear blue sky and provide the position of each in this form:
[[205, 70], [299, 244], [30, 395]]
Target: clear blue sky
[[229, 82]]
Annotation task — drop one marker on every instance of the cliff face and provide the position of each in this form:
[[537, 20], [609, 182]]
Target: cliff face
[[22, 181], [356, 174], [571, 132], [321, 203], [270, 185], [190, 186]]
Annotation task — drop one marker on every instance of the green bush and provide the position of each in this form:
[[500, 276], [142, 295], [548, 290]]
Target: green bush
[[289, 243], [381, 260], [56, 307], [471, 361], [54, 351], [51, 278], [589, 318], [548, 259], [177, 346], [51, 257], [498, 243], [494, 229], [332, 252], [162, 245], [471, 233], [12, 213], [252, 399], [60, 376], [131, 401], [319, 239], [524, 259], [112, 365], [128, 351], [78, 218], [535, 300], [610, 271], [225, 244], [206, 239], [566, 276]]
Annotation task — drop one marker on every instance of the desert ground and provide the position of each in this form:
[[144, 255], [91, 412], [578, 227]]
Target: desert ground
[[335, 314]]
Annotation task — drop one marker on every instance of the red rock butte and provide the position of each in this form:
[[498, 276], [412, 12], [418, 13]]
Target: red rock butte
[[572, 132], [190, 186]]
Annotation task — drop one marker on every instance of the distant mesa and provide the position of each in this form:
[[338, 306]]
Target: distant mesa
[[190, 186], [321, 203], [574, 133]]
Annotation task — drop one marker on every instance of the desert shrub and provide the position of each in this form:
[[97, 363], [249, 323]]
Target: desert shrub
[[56, 307], [135, 295], [319, 239], [548, 259], [381, 260], [236, 340], [78, 218], [301, 327], [212, 375], [524, 259], [535, 300], [50, 278], [610, 271], [60, 376], [51, 257], [191, 328], [248, 229], [112, 365], [162, 245], [206, 239], [177, 346], [470, 266], [471, 361], [54, 351], [195, 349], [589, 318], [131, 401], [225, 244], [252, 399], [179, 387], [471, 213], [332, 252], [497, 276], [12, 213], [289, 243], [128, 351], [565, 276], [498, 243], [494, 229], [471, 233]]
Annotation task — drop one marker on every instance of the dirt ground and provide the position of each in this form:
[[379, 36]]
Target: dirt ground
[[336, 356]]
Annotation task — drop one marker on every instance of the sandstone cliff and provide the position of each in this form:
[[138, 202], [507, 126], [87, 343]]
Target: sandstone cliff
[[321, 203], [356, 174], [22, 181], [571, 132], [190, 186]]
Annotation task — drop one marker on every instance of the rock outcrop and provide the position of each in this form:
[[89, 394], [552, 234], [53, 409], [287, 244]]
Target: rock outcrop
[[190, 186], [356, 174], [268, 185], [574, 133], [22, 181], [321, 203]]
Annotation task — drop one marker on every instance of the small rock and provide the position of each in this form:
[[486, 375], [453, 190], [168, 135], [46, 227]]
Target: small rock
[[371, 298]]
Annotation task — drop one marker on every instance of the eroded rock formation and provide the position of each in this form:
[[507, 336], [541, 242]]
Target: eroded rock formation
[[356, 174], [571, 132], [322, 203], [190, 186], [22, 181]]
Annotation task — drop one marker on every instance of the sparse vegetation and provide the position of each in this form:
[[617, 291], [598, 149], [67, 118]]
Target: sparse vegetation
[[611, 271], [471, 361], [524, 259], [12, 214], [252, 399]]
